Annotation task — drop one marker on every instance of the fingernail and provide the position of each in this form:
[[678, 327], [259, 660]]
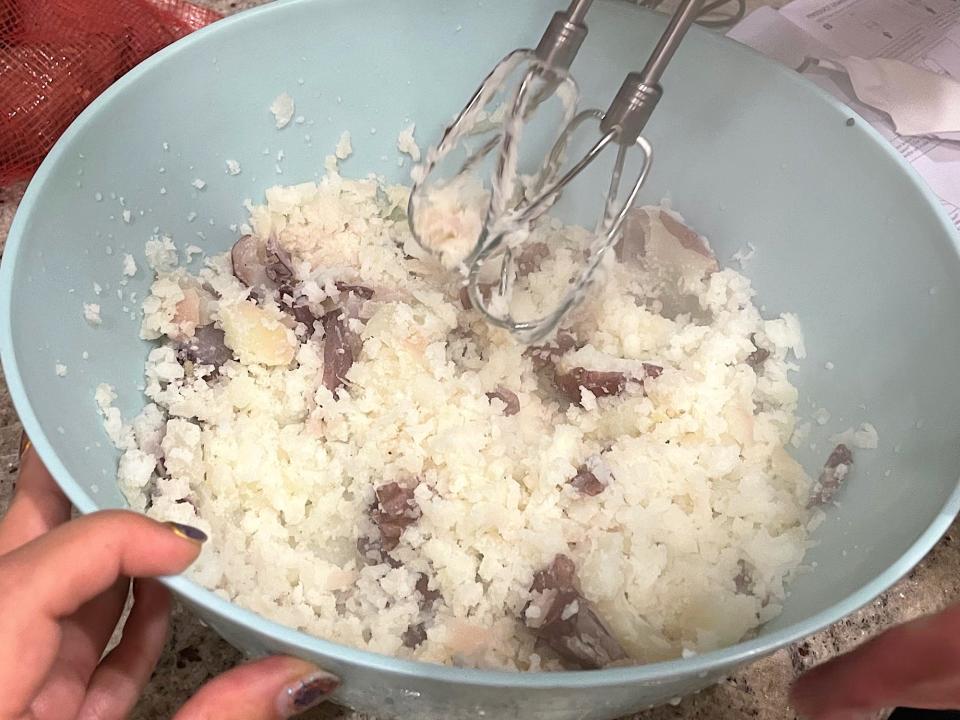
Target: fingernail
[[187, 532], [24, 444], [307, 692]]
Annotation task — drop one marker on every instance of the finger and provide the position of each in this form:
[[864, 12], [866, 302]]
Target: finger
[[53, 576], [270, 689], [87, 632], [118, 681], [916, 665], [37, 506], [84, 636], [83, 558]]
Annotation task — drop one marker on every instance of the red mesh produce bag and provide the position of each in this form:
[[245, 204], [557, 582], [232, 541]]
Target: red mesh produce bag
[[57, 55]]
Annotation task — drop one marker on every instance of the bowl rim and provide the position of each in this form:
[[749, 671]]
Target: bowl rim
[[702, 665]]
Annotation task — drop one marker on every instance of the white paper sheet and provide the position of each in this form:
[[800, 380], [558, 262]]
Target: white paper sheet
[[924, 33]]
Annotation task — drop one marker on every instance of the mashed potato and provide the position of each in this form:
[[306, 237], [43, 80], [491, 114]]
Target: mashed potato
[[378, 467]]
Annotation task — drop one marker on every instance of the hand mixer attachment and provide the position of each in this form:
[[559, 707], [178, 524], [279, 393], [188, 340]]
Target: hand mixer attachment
[[518, 86], [514, 202]]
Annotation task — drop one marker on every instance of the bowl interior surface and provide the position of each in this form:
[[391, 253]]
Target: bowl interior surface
[[845, 237]]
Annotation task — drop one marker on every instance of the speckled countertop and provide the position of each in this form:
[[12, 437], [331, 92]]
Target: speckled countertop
[[194, 653]]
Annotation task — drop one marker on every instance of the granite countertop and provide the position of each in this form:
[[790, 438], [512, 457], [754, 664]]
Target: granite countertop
[[195, 653]]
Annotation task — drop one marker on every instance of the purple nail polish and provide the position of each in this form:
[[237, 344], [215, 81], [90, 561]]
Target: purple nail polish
[[307, 693], [188, 532]]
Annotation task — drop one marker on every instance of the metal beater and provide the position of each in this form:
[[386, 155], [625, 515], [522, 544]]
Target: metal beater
[[514, 206]]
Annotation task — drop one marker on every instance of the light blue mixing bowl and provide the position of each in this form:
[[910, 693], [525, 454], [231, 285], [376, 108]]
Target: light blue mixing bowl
[[845, 235]]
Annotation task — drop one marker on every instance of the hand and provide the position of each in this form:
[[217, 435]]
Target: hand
[[63, 586], [913, 665]]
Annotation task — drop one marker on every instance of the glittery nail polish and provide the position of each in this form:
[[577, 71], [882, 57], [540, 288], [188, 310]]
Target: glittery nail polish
[[187, 532], [24, 444], [307, 692]]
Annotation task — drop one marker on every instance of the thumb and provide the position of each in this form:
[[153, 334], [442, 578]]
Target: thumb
[[916, 664], [270, 689]]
